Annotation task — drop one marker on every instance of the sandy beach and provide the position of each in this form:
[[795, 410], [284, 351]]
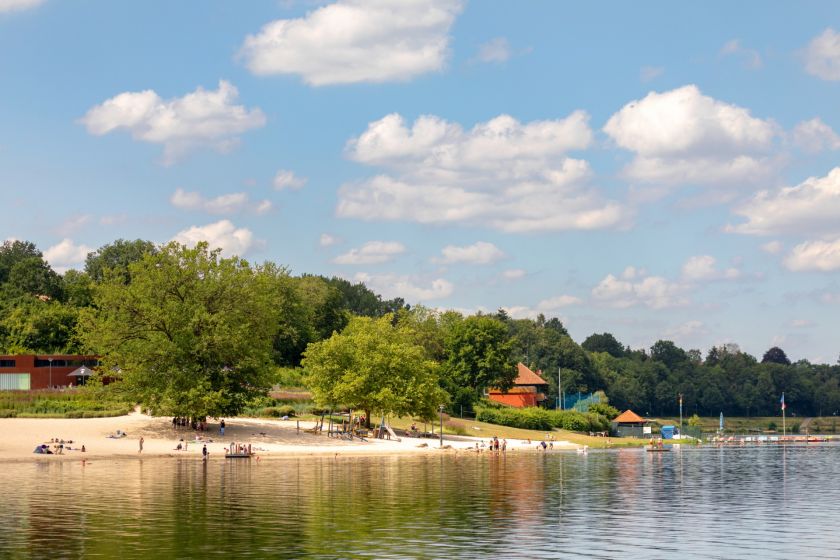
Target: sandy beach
[[268, 439]]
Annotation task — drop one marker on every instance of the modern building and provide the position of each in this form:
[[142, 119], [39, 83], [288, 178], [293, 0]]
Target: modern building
[[528, 390], [630, 424], [42, 371]]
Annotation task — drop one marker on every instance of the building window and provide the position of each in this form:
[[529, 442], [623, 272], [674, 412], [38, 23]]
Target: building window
[[8, 363], [14, 382]]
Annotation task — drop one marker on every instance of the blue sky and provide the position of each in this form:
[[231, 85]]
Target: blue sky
[[655, 172]]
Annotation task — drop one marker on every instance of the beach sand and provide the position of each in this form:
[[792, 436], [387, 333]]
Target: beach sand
[[268, 439]]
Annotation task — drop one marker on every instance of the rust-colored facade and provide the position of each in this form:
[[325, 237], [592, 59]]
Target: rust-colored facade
[[528, 390], [46, 370]]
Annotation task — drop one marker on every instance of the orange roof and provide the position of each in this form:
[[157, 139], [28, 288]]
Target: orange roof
[[513, 391], [527, 377], [629, 417]]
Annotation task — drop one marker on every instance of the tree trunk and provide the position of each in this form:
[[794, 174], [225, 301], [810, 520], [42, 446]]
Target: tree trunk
[[367, 419]]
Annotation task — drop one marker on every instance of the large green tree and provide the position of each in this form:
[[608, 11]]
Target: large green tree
[[374, 365], [117, 257], [191, 334], [479, 355]]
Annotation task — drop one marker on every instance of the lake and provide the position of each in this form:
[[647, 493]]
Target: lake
[[772, 502]]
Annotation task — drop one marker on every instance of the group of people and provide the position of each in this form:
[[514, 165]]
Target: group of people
[[58, 446], [492, 445], [239, 448], [184, 422]]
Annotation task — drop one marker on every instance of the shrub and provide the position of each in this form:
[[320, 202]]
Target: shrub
[[7, 413], [456, 427], [605, 410], [770, 426]]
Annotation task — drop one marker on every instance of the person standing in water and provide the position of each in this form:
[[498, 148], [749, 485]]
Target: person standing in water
[[141, 445], [204, 452]]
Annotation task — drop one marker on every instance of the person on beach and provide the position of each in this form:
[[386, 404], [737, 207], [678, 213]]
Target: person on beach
[[222, 427], [141, 445], [204, 452], [504, 445]]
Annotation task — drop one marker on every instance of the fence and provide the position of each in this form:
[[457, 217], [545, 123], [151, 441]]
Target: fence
[[580, 401]]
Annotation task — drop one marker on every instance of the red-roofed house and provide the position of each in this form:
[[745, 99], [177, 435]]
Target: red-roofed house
[[629, 424], [528, 390]]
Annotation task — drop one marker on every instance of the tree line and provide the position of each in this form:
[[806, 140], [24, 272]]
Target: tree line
[[189, 332]]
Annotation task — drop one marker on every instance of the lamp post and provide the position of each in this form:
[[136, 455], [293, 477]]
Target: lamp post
[[440, 409], [50, 361], [559, 388]]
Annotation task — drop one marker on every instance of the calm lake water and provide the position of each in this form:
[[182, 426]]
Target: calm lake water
[[768, 502]]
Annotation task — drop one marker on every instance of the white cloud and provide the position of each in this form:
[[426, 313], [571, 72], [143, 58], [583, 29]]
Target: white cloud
[[686, 332], [219, 235], [750, 57], [772, 247], [18, 5], [703, 268], [683, 136], [495, 50], [285, 179], [815, 136], [66, 254], [372, 252], [814, 256], [356, 41], [406, 287], [113, 219], [73, 224], [558, 302], [480, 252], [822, 56], [514, 274], [223, 204], [801, 323], [501, 174], [327, 240], [811, 207], [182, 124], [634, 287], [648, 73]]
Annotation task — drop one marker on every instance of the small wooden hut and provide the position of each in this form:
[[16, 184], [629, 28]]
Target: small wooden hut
[[629, 424]]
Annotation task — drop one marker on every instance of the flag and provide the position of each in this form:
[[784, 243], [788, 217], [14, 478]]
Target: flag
[[783, 401]]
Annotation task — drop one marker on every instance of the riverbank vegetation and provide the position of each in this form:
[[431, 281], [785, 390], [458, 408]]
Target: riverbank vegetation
[[184, 331], [83, 402]]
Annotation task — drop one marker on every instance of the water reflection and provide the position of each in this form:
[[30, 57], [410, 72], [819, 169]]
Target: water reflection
[[692, 503]]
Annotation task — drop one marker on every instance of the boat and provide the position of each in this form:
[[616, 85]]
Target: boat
[[657, 449]]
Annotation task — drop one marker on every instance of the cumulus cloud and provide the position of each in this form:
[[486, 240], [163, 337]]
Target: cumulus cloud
[[372, 252], [703, 268], [353, 41], [815, 136], [635, 288], [548, 306], [73, 224], [811, 208], [683, 136], [686, 332], [406, 287], [823, 256], [495, 50], [199, 119], [557, 302], [502, 174], [514, 274], [223, 204], [18, 5], [481, 252], [66, 255], [822, 56], [219, 235], [327, 240], [285, 179]]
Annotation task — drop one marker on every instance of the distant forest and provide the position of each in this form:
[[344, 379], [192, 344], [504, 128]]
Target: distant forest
[[41, 312]]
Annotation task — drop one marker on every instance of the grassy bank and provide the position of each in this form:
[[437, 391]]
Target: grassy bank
[[760, 424], [80, 402]]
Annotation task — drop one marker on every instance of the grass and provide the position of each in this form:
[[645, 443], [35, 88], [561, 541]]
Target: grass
[[756, 424], [80, 402]]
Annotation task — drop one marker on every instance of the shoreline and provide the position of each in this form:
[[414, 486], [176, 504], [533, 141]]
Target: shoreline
[[270, 440]]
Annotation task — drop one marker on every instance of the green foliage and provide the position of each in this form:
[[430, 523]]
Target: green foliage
[[604, 342], [455, 427], [117, 257], [34, 326], [374, 366], [534, 418], [604, 410], [286, 377], [479, 357], [191, 333], [84, 402], [694, 421]]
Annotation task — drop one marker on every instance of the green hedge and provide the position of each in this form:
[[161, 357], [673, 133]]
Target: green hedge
[[533, 418]]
